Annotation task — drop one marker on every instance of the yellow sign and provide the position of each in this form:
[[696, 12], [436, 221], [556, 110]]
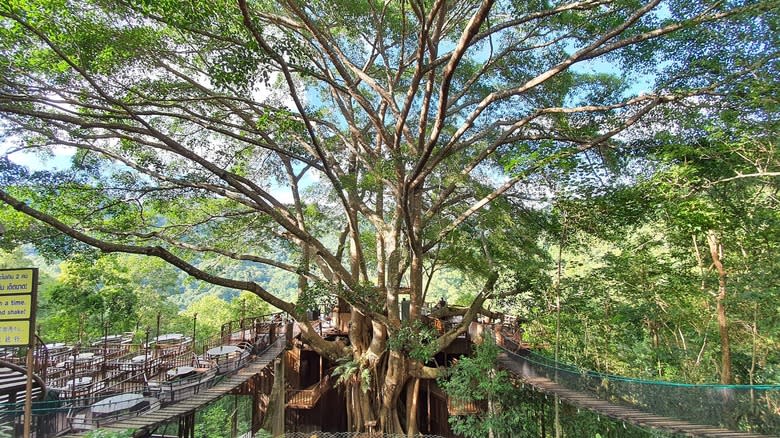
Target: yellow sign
[[14, 333], [18, 291], [17, 281], [15, 306]]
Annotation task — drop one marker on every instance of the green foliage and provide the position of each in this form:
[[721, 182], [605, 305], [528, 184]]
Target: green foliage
[[365, 295], [350, 371], [224, 417], [476, 379], [262, 433], [247, 305], [212, 312], [511, 410], [450, 285], [415, 339], [320, 294], [90, 294], [315, 296], [636, 294], [81, 296], [214, 422]]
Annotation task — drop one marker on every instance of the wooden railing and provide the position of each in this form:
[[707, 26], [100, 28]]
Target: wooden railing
[[247, 329], [308, 398], [82, 395], [18, 356], [462, 407]]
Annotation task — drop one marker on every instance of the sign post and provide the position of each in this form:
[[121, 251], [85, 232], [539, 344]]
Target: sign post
[[18, 294]]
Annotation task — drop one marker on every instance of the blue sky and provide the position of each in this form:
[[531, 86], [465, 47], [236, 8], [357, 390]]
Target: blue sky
[[59, 159]]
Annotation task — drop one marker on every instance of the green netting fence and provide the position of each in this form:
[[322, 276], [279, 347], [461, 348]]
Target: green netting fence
[[753, 408]]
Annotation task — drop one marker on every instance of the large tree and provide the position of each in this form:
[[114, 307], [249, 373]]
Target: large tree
[[377, 141]]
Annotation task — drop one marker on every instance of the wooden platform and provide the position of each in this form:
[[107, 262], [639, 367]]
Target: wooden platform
[[617, 412], [201, 399]]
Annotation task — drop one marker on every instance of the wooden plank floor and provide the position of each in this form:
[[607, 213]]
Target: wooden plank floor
[[172, 412], [617, 412]]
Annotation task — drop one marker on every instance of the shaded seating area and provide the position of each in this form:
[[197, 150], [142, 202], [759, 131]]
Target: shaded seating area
[[112, 409]]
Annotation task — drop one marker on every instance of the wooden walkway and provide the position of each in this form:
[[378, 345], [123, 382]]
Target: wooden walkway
[[156, 418], [623, 413]]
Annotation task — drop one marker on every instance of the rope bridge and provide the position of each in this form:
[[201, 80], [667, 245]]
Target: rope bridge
[[699, 410]]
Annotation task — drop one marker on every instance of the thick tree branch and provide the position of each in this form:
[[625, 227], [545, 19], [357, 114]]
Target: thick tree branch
[[447, 338]]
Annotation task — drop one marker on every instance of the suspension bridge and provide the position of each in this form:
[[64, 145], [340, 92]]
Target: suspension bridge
[[716, 411]]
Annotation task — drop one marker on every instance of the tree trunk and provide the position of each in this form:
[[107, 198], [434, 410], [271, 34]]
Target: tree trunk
[[395, 379], [359, 402], [412, 402], [716, 252]]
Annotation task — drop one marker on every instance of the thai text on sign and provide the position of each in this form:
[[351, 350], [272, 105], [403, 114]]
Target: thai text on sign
[[16, 281]]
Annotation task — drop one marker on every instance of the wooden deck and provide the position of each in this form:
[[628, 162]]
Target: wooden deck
[[201, 399], [617, 412]]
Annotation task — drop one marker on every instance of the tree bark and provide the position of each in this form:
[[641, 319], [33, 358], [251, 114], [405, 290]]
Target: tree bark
[[395, 378], [716, 252], [360, 403], [412, 401]]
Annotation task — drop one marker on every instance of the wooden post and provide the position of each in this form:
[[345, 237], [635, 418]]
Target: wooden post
[[146, 350], [429, 406], [75, 355], [157, 339], [194, 328], [243, 315], [182, 427], [278, 418], [234, 417], [103, 363], [187, 425], [255, 387], [274, 419], [30, 353], [28, 392]]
